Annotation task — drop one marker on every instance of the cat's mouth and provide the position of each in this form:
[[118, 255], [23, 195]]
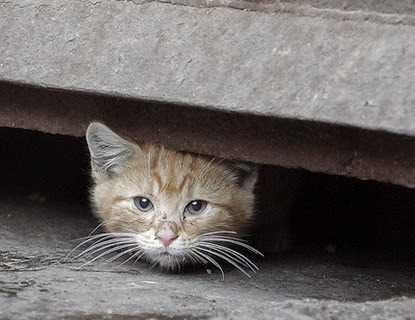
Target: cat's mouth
[[168, 252], [165, 251]]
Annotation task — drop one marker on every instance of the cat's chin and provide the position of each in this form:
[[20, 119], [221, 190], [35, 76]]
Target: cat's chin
[[166, 260]]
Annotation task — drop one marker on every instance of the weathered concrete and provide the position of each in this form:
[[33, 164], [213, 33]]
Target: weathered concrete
[[340, 62], [38, 283]]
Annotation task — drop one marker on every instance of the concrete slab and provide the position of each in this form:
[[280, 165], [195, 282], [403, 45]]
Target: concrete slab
[[38, 283], [342, 62]]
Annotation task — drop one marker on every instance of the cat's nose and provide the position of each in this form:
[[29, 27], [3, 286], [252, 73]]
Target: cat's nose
[[167, 239]]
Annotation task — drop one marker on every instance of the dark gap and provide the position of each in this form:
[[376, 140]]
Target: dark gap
[[44, 166], [330, 214], [336, 214]]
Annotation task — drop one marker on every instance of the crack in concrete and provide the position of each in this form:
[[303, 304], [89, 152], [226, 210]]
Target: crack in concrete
[[11, 289], [269, 8], [298, 11], [291, 9], [13, 262]]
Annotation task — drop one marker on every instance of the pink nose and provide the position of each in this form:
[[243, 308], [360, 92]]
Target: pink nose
[[167, 239]]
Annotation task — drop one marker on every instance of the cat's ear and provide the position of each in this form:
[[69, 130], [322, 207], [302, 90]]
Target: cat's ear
[[246, 174], [109, 152]]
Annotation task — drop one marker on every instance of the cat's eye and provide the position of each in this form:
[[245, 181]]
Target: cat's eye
[[196, 207], [143, 204]]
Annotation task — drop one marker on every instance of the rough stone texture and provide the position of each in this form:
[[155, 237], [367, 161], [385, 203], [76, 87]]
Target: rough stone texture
[[38, 283], [337, 62]]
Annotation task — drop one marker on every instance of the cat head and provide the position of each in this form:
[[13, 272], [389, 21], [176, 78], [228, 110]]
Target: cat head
[[163, 204]]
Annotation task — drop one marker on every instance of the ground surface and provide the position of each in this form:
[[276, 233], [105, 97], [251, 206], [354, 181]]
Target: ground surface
[[36, 282]]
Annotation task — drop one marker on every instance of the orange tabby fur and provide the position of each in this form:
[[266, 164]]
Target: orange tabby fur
[[122, 171]]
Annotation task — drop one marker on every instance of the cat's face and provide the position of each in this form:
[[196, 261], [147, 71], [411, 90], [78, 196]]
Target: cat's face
[[166, 203]]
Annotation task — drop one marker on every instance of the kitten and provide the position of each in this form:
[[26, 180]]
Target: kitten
[[168, 207]]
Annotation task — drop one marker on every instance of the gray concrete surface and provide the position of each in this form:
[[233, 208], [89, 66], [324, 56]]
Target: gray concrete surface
[[344, 62], [36, 282]]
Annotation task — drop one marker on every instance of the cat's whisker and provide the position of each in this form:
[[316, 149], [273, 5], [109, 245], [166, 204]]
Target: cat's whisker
[[119, 243], [139, 257], [104, 234], [226, 258], [100, 237], [190, 257], [234, 254], [101, 245], [122, 253], [98, 243], [233, 241], [202, 260], [88, 239], [225, 237], [194, 258], [217, 232], [177, 263], [139, 253], [211, 260], [154, 264], [96, 228], [106, 253]]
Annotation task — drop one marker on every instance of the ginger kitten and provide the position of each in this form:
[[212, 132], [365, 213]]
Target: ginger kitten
[[169, 208]]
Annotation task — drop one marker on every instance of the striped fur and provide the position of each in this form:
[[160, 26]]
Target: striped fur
[[122, 171]]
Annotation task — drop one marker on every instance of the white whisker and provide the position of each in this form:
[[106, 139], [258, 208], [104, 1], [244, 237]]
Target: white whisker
[[101, 245], [231, 240], [208, 247], [88, 239], [225, 237], [96, 228], [154, 264], [194, 258], [217, 232], [105, 253], [210, 259], [233, 254], [119, 255], [105, 234], [177, 263], [138, 253], [138, 258], [224, 257]]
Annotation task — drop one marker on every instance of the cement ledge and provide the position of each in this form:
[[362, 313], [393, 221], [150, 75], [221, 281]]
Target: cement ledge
[[354, 73]]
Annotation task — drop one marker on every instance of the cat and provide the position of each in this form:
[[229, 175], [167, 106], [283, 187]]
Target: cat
[[167, 207]]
